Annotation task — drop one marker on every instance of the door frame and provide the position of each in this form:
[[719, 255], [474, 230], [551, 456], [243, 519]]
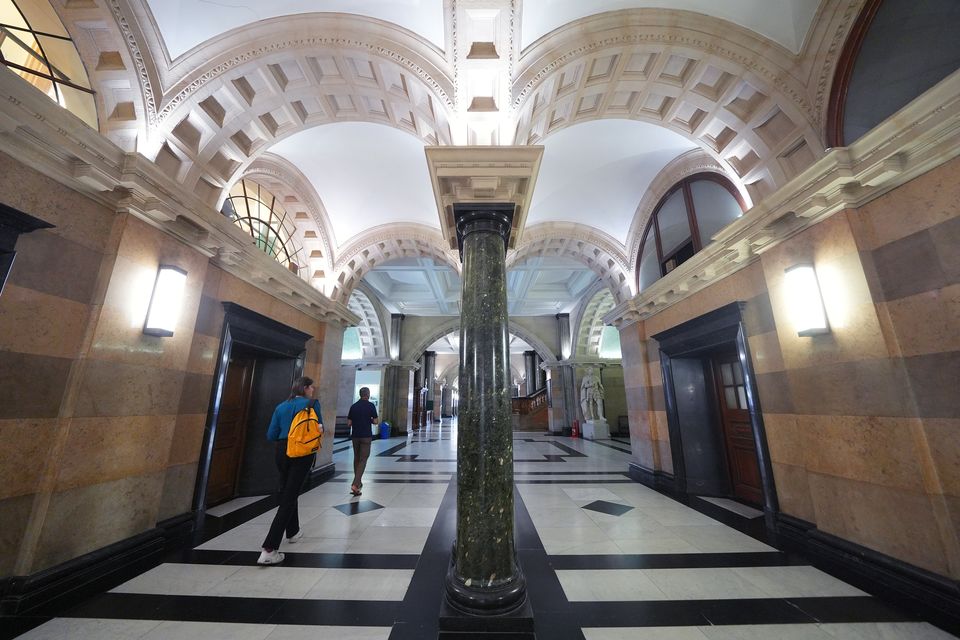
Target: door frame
[[694, 338], [249, 328]]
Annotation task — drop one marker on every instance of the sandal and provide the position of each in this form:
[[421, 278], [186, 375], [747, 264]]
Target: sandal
[[354, 490]]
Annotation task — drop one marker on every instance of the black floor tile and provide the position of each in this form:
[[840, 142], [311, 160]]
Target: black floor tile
[[609, 508], [360, 506]]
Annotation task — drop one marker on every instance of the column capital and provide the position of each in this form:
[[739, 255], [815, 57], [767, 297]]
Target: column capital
[[470, 217]]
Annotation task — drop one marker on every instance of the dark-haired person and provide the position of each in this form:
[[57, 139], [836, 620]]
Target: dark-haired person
[[360, 419], [293, 471]]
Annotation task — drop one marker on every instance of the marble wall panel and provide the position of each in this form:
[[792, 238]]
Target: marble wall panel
[[865, 387], [24, 454], [195, 398], [946, 239], [87, 518], [864, 448], [928, 322], [72, 274], [187, 439], [210, 315], [765, 353], [203, 355], [774, 391], [76, 217], [793, 491], [897, 522], [934, 378], [40, 324], [178, 486], [919, 204], [901, 274], [758, 315], [943, 438], [116, 389], [784, 438], [14, 514], [32, 385], [104, 449]]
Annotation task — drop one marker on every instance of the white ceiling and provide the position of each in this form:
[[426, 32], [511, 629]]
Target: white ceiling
[[186, 23], [366, 175], [450, 343], [785, 21], [596, 172]]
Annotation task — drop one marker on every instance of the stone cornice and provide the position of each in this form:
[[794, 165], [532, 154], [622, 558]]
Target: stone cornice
[[41, 134], [919, 137]]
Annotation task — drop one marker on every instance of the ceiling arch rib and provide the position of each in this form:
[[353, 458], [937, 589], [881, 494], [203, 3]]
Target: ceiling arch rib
[[719, 85], [381, 245], [370, 328], [587, 245], [217, 121], [589, 327], [299, 198]]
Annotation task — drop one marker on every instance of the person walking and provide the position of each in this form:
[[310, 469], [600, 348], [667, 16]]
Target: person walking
[[360, 419], [293, 471]]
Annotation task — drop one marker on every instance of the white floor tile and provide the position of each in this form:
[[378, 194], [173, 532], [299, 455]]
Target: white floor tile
[[268, 582], [886, 631], [209, 631], [644, 633], [299, 632], [406, 517], [605, 585], [232, 505], [796, 582], [178, 579], [362, 584], [92, 628]]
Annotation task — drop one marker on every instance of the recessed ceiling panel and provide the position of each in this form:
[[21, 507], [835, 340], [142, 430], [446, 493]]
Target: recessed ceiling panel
[[418, 286], [784, 21], [186, 23], [545, 286], [365, 174], [595, 173]]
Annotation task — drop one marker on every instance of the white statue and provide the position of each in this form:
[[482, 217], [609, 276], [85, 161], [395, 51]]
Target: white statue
[[591, 396]]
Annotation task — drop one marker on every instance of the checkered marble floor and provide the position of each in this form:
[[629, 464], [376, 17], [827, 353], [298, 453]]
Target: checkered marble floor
[[605, 559]]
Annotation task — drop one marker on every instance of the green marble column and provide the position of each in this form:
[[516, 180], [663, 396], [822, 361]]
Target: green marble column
[[484, 577]]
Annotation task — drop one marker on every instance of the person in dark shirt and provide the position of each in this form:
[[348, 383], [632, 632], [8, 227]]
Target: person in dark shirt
[[360, 419]]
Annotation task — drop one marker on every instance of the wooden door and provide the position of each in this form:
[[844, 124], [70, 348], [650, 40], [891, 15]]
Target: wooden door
[[231, 431], [737, 430]]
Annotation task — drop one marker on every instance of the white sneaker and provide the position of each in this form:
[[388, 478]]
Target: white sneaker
[[270, 557], [295, 537]]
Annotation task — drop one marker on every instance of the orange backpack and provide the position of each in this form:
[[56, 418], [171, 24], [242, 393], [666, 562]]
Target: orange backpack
[[305, 436]]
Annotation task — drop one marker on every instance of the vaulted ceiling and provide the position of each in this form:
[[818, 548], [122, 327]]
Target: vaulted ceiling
[[333, 102]]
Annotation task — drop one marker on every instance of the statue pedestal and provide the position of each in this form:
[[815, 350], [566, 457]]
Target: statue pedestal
[[596, 430]]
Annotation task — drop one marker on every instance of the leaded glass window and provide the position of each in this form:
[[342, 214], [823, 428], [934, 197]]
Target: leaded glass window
[[259, 213], [35, 46]]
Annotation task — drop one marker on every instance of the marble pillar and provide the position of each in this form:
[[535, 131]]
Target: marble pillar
[[429, 373], [395, 396], [530, 371], [484, 578]]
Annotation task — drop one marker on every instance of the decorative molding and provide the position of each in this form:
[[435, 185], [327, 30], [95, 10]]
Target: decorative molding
[[921, 136], [143, 74]]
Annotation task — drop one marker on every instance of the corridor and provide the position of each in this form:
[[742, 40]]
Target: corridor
[[605, 558]]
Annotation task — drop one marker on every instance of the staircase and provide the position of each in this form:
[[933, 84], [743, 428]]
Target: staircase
[[530, 412]]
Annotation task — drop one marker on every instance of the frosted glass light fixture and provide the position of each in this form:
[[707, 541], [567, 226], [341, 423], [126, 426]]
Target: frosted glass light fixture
[[166, 301], [805, 302]]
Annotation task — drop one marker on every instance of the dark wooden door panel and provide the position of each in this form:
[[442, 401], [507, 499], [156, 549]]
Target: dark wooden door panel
[[231, 428], [738, 432]]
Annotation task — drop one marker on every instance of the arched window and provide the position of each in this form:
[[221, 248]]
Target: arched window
[[36, 47], [896, 51], [684, 221], [257, 212]]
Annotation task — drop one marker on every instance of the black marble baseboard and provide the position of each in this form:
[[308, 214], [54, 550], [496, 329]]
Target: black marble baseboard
[[516, 625], [926, 594], [657, 480]]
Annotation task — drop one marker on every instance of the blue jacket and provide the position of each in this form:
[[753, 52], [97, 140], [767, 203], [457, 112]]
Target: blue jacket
[[283, 416]]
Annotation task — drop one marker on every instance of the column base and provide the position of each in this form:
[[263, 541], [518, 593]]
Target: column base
[[472, 601]]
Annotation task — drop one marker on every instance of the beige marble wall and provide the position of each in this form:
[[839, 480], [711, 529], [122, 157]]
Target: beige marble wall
[[102, 425], [862, 423]]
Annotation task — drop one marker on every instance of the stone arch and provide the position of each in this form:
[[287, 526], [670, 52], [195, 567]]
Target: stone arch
[[591, 247], [589, 324], [724, 87], [236, 95], [683, 166], [453, 324], [300, 199], [370, 328], [381, 245]]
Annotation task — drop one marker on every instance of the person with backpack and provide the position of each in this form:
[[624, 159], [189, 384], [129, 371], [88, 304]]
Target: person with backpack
[[297, 429], [360, 419]]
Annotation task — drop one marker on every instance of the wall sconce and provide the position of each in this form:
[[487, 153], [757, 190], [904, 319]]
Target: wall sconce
[[165, 302], [805, 302]]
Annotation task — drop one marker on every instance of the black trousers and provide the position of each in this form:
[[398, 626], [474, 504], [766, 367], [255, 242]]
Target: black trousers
[[293, 473]]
